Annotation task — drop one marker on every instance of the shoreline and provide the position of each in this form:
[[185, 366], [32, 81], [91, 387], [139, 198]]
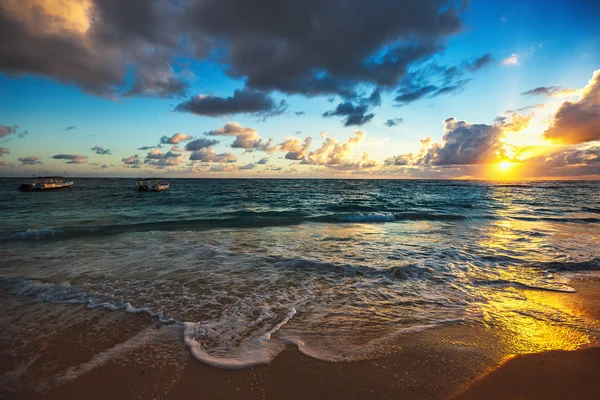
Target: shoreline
[[106, 354]]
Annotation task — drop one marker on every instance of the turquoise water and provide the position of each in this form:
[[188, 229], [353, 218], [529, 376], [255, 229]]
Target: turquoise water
[[339, 268]]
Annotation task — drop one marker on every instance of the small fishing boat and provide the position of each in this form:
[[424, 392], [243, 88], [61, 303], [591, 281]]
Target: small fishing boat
[[44, 183], [151, 185]]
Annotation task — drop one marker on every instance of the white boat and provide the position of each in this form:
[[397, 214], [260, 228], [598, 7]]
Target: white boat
[[151, 185], [44, 183]]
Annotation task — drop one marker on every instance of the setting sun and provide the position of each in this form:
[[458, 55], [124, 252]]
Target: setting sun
[[504, 165]]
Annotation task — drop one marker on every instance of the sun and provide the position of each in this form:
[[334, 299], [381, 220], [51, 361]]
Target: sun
[[504, 165]]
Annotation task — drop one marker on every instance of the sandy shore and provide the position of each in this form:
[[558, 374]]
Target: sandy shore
[[69, 352]]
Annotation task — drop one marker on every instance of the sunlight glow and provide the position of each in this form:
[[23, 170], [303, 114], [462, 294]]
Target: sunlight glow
[[504, 165]]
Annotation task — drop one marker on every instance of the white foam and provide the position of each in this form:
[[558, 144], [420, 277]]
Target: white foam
[[382, 217], [254, 352], [37, 233]]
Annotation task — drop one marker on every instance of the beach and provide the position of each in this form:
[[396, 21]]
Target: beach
[[112, 354]]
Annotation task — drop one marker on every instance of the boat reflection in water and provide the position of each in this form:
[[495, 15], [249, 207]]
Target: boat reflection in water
[[151, 185], [44, 183]]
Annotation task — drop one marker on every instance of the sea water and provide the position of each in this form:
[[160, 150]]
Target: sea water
[[338, 268]]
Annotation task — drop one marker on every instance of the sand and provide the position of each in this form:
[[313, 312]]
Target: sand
[[51, 351]]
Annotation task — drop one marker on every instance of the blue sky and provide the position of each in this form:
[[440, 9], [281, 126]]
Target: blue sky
[[552, 44]]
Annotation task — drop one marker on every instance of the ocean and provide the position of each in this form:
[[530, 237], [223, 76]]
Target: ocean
[[338, 268]]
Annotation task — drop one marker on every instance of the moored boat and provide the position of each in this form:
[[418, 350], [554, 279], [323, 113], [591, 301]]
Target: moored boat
[[44, 183], [151, 185]]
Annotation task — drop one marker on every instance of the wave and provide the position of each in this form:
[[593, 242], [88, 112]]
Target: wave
[[560, 219], [242, 219]]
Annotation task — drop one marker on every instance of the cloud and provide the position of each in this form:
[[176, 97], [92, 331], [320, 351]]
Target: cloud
[[245, 138], [263, 161], [512, 60], [464, 144], [200, 143], [304, 48], [332, 153], [146, 148], [393, 122], [70, 128], [132, 161], [4, 150], [209, 155], [175, 139], [155, 154], [526, 108], [363, 164], [6, 130], [154, 77], [296, 148], [244, 101], [578, 122], [356, 114], [5, 164], [100, 150], [550, 91], [311, 49], [481, 62], [247, 166], [432, 80], [168, 159], [72, 158], [299, 113], [92, 44], [30, 160]]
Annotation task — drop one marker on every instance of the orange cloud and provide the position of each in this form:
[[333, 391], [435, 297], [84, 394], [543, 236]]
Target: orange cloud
[[578, 122]]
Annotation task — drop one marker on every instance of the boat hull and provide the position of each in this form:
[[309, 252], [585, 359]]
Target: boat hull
[[46, 186], [147, 188]]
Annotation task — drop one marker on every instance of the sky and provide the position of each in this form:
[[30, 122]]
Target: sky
[[436, 89]]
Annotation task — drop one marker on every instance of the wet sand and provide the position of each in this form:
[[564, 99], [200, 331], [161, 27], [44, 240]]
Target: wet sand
[[50, 351]]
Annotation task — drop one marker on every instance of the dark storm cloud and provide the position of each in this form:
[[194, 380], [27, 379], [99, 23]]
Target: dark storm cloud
[[29, 160], [356, 114], [72, 158], [199, 144], [100, 150], [95, 57], [578, 122], [432, 80], [312, 47], [393, 122], [245, 101]]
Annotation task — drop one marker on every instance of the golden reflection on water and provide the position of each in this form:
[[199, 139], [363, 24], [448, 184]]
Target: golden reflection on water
[[528, 320], [531, 321]]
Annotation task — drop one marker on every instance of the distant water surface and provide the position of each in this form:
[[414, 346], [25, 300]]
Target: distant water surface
[[339, 268]]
